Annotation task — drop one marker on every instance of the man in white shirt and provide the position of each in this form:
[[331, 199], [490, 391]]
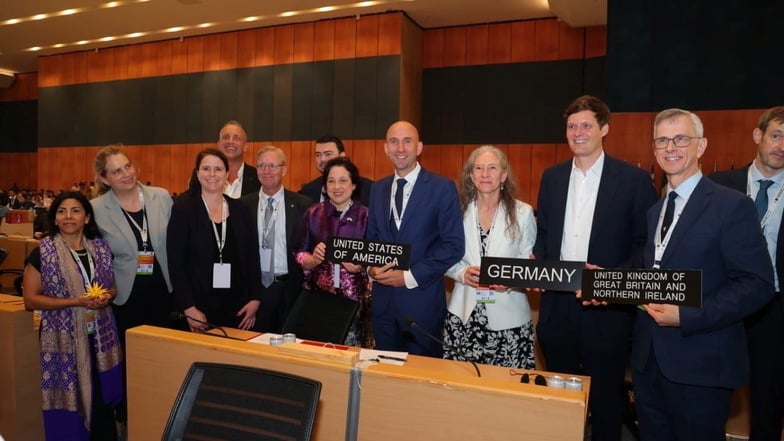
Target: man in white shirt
[[242, 179]]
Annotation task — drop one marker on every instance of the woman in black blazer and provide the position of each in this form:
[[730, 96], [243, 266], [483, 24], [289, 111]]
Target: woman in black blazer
[[213, 253]]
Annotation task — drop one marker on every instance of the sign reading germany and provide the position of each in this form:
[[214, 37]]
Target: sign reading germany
[[641, 286], [526, 273], [368, 252]]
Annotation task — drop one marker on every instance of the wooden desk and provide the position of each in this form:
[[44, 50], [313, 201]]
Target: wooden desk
[[21, 417], [158, 360], [432, 399]]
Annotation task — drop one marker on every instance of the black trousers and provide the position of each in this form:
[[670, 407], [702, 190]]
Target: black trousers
[[765, 337]]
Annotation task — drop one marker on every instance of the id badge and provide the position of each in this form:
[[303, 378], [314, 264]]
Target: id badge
[[266, 260], [221, 275], [89, 318], [485, 295], [145, 263]]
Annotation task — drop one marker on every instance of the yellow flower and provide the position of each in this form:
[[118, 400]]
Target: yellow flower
[[96, 290]]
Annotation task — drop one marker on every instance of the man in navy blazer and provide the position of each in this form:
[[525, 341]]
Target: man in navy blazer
[[330, 147], [687, 360], [591, 208], [765, 328], [421, 209]]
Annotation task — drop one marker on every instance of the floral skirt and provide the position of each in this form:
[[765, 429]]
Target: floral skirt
[[473, 341]]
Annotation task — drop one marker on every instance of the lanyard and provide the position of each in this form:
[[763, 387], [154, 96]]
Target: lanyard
[[397, 216], [483, 245], [221, 241], [86, 278], [143, 229], [771, 206]]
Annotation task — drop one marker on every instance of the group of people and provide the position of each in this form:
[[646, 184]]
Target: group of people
[[237, 249]]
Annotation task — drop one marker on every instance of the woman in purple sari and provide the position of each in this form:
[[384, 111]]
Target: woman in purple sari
[[69, 278], [340, 214]]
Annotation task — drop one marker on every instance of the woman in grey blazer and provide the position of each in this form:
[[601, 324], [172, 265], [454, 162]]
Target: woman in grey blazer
[[133, 219]]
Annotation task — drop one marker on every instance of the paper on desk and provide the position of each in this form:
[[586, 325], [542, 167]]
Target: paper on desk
[[386, 357], [264, 339]]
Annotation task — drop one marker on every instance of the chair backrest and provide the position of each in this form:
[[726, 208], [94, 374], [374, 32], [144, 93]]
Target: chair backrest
[[321, 316], [220, 401], [3, 254]]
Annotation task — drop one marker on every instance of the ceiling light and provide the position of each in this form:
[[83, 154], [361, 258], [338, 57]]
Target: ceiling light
[[135, 34], [68, 12], [288, 13], [35, 49], [174, 29], [39, 16]]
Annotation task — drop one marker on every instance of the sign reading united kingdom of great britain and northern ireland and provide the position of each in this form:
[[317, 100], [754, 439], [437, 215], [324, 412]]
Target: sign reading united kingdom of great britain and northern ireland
[[627, 286], [368, 252]]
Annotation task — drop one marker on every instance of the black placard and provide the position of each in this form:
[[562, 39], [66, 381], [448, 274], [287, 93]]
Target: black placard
[[526, 273], [642, 286], [368, 252]]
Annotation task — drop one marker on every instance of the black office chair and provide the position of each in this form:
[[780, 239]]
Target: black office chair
[[219, 401], [16, 273], [321, 316]]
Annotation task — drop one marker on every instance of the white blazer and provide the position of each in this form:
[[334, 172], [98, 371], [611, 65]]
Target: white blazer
[[116, 230], [511, 309]]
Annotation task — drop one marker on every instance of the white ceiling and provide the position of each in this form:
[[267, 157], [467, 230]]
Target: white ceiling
[[153, 17]]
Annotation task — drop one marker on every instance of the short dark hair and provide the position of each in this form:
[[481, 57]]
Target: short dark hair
[[194, 186], [91, 230], [588, 102], [332, 138], [772, 114], [353, 172]]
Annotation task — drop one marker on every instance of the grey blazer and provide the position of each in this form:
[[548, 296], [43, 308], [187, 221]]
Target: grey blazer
[[115, 229]]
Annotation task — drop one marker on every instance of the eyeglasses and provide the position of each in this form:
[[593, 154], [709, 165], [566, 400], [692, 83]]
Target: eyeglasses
[[679, 141], [272, 167]]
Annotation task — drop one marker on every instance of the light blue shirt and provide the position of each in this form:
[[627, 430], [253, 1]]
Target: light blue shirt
[[775, 206]]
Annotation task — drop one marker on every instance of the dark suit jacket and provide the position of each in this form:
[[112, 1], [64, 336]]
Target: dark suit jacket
[[313, 190], [717, 232], [295, 204], [617, 234], [737, 179], [250, 180], [190, 244], [433, 225]]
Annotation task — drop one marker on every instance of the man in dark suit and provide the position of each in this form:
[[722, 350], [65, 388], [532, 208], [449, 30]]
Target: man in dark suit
[[330, 147], [232, 141], [687, 360], [275, 207], [765, 328], [419, 208], [591, 209]]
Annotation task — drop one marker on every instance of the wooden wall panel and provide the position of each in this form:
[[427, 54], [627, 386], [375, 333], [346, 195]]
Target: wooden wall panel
[[164, 64], [434, 41], [476, 45], [570, 42], [523, 41], [246, 48], [362, 154], [136, 61], [50, 70], [195, 54], [304, 35], [546, 40], [149, 61], [121, 56], [595, 41], [499, 47], [390, 28], [300, 162], [20, 169], [228, 51], [212, 52], [23, 88], [265, 47], [367, 36], [324, 40], [345, 38], [455, 47], [284, 44], [179, 57]]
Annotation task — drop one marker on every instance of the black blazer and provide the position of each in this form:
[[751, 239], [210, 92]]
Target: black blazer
[[250, 180], [295, 204], [313, 188], [190, 244]]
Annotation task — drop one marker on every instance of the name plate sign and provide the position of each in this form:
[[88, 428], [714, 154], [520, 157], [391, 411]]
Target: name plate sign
[[641, 286], [368, 252], [526, 273]]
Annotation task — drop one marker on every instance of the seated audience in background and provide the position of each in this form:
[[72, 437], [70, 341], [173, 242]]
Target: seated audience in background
[[330, 147], [341, 214], [686, 361], [490, 324], [211, 244], [4, 208], [81, 369]]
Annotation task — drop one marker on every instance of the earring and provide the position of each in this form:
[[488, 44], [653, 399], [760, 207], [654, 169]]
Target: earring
[[502, 186]]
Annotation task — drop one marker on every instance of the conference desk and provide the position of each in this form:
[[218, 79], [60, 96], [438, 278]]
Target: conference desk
[[426, 399], [20, 373]]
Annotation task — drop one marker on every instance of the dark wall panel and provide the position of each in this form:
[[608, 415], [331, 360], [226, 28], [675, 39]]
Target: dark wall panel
[[365, 99], [343, 97], [504, 103], [18, 126], [323, 90], [302, 101]]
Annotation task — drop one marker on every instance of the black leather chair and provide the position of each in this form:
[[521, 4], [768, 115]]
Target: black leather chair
[[321, 316], [219, 401]]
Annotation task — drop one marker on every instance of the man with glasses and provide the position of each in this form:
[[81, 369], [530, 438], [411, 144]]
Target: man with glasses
[[242, 178], [765, 328], [278, 213], [591, 208], [686, 361], [330, 147]]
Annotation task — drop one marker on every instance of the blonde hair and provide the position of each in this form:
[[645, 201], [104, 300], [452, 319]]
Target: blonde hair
[[99, 164]]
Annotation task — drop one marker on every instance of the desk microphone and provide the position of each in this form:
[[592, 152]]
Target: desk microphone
[[410, 322], [177, 316]]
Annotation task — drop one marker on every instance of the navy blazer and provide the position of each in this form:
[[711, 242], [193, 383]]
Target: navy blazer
[[313, 189], [738, 179], [717, 232], [617, 234], [191, 245], [433, 225]]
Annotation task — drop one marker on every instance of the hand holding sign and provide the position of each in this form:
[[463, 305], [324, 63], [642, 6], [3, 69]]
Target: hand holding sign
[[664, 314]]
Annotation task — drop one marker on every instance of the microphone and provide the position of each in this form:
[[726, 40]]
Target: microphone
[[410, 322], [177, 316]]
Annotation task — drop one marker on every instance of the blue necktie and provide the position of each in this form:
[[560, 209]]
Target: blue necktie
[[668, 214], [762, 197]]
